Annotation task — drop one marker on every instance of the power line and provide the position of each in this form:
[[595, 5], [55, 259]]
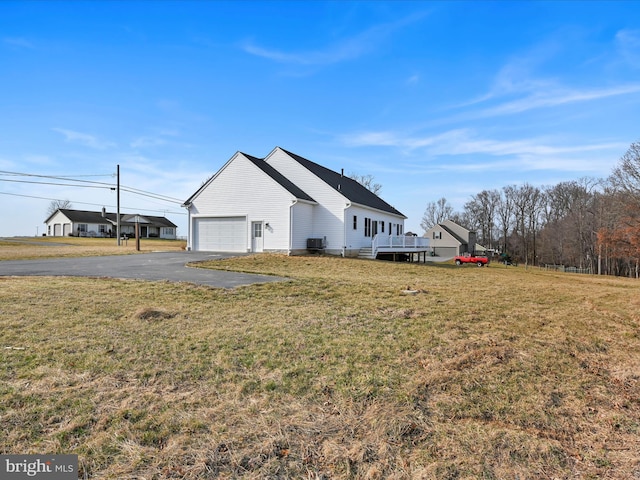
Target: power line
[[151, 195], [93, 204], [57, 177], [57, 184], [75, 175], [111, 186]]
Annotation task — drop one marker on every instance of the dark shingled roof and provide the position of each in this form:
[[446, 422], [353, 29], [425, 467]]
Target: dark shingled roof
[[85, 216], [284, 182], [279, 178], [348, 187]]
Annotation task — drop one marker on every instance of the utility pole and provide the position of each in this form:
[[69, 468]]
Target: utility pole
[[137, 233], [118, 205]]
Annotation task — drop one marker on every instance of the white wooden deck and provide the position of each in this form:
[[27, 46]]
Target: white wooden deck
[[398, 244]]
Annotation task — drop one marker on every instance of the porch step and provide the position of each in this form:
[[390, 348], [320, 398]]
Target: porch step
[[365, 252]]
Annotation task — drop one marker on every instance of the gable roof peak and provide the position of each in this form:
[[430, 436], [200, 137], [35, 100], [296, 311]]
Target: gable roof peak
[[346, 186]]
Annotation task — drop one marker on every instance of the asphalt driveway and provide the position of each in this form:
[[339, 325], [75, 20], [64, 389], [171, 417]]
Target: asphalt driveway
[[156, 266]]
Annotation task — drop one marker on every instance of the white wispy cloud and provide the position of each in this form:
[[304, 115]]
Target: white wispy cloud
[[517, 76], [153, 174], [527, 153], [545, 99], [395, 139], [158, 138], [147, 142], [344, 50], [413, 79], [84, 139], [522, 83], [628, 45], [18, 42]]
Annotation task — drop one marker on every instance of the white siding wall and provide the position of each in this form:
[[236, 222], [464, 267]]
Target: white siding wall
[[328, 215], [356, 239], [241, 189], [58, 219], [302, 221], [443, 243]]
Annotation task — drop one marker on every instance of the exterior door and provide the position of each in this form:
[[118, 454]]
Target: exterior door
[[257, 240]]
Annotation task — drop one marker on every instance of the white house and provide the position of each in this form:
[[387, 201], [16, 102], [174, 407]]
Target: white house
[[286, 203], [449, 239], [83, 223]]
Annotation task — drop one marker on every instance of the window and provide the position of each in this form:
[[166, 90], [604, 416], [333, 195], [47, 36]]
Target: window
[[437, 235], [102, 229], [367, 227], [382, 227], [355, 222], [82, 228]]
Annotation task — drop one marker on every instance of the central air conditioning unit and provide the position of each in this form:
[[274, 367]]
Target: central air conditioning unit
[[315, 244]]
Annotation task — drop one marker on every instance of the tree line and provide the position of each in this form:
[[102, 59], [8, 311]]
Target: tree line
[[590, 223]]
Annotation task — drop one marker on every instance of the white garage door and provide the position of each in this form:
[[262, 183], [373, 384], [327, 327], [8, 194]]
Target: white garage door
[[228, 234]]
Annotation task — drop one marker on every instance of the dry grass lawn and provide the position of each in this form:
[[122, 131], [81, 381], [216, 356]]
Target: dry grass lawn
[[17, 248], [494, 373]]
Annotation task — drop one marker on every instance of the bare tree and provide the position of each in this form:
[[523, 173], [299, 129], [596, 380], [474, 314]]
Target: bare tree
[[57, 204], [367, 181], [587, 223], [505, 214], [623, 236], [482, 209], [536, 203], [435, 213], [464, 219], [626, 176], [527, 205], [555, 237]]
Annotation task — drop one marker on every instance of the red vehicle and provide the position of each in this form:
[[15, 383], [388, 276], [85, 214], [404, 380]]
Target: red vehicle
[[468, 258]]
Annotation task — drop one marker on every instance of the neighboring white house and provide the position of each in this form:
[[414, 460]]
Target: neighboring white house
[[448, 239], [285, 203], [82, 223]]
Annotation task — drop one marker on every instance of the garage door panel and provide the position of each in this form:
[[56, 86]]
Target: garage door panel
[[224, 234]]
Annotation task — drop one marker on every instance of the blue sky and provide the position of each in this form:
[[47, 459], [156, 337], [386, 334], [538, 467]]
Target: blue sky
[[431, 98]]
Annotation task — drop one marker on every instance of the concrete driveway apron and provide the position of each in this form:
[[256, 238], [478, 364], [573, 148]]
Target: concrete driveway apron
[[156, 266]]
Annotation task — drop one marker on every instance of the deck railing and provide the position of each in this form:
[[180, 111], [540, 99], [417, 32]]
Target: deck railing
[[399, 242]]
